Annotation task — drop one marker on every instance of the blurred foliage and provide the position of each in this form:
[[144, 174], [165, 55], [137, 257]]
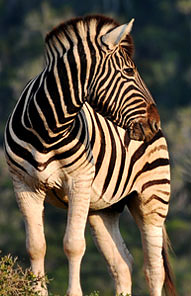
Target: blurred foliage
[[162, 35], [14, 281]]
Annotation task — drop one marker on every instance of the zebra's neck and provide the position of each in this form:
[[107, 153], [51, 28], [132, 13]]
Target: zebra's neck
[[73, 57], [67, 75]]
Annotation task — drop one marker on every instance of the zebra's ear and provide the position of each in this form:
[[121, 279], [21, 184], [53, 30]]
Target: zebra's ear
[[114, 37]]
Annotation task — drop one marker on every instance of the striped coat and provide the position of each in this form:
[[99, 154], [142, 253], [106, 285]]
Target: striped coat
[[85, 135]]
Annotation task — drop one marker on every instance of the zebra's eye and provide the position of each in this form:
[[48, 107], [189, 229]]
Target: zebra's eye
[[128, 71]]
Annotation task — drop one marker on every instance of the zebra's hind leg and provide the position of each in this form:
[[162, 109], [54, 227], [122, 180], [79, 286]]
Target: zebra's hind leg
[[150, 216], [105, 229], [31, 205]]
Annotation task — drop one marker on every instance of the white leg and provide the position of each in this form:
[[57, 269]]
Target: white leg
[[152, 240], [74, 241], [106, 233], [149, 213], [31, 205]]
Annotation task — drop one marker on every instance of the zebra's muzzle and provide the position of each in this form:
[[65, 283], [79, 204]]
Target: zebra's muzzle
[[144, 129]]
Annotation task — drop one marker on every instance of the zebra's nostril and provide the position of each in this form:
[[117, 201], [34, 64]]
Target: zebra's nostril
[[154, 125]]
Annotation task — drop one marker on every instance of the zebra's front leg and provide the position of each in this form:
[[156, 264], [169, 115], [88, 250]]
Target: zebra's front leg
[[105, 229], [74, 240], [31, 205]]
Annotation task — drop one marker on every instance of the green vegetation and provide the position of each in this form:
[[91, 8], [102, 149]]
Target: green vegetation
[[162, 35], [14, 281]]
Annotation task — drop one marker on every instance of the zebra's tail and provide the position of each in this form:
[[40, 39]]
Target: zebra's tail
[[169, 285]]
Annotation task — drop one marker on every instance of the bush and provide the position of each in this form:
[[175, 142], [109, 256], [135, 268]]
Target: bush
[[14, 281]]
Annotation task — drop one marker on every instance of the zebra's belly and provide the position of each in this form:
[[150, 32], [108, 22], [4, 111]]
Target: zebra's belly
[[58, 197], [57, 194]]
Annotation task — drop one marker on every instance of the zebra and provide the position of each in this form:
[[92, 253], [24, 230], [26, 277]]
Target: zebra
[[85, 135]]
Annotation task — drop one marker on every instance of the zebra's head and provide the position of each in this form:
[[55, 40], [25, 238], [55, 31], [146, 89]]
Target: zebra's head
[[92, 59], [117, 90]]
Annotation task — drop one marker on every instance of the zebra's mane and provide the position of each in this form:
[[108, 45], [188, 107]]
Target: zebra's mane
[[91, 25]]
